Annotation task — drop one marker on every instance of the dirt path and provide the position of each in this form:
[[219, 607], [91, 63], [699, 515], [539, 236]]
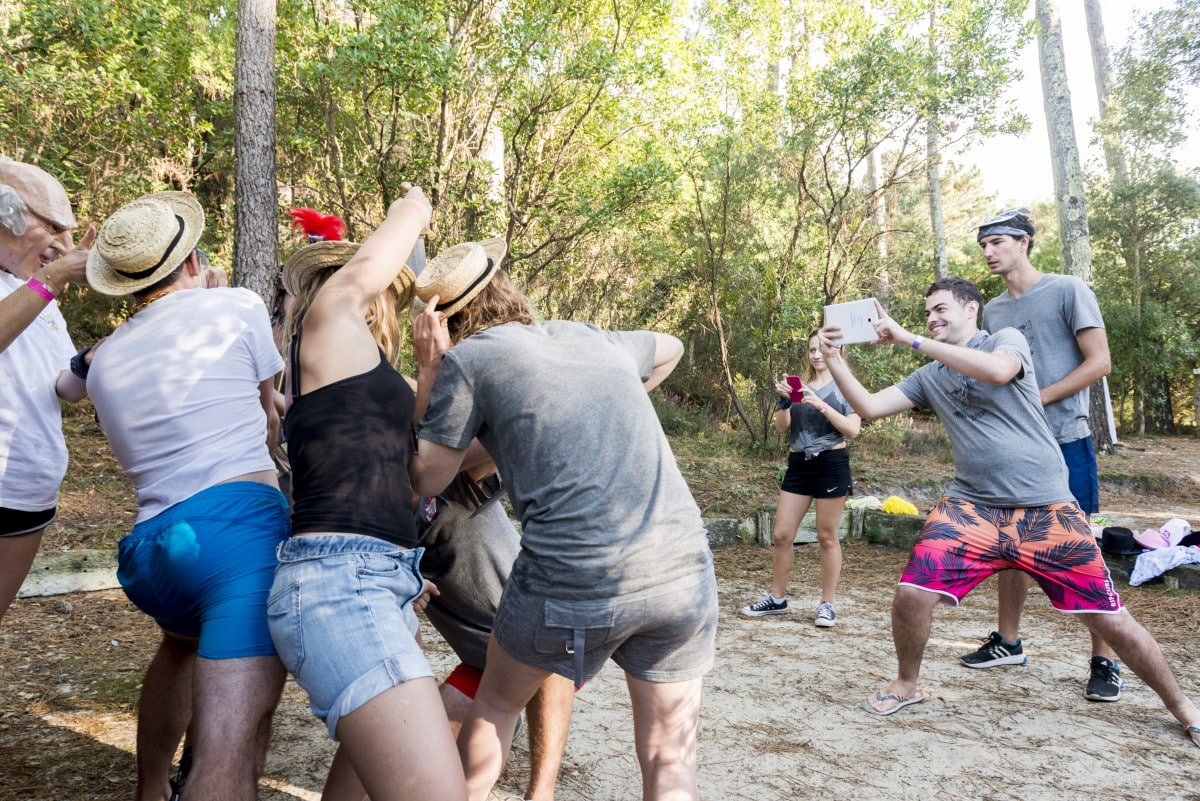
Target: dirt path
[[780, 718]]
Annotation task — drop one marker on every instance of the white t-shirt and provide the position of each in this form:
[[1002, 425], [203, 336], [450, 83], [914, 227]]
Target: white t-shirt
[[33, 454], [176, 392]]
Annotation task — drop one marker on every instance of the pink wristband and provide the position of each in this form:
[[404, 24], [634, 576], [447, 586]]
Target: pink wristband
[[40, 288], [824, 407]]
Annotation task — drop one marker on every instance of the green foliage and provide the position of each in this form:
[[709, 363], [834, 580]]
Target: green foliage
[[1145, 222], [710, 183]]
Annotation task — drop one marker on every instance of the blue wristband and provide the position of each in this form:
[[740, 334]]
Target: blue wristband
[[79, 365], [783, 403]]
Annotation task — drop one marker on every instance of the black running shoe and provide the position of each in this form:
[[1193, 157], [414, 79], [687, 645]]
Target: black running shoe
[[995, 652], [1105, 683]]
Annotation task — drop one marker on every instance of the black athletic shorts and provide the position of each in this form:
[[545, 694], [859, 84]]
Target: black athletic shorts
[[826, 475], [14, 522]]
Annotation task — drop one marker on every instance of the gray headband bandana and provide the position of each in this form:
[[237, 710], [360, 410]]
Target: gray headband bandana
[[993, 230], [996, 225]]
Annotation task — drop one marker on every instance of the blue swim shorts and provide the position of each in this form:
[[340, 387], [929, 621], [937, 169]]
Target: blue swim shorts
[[203, 567], [1082, 476], [341, 614]]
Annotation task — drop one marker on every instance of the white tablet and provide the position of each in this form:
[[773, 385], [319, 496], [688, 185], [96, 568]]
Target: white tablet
[[856, 319]]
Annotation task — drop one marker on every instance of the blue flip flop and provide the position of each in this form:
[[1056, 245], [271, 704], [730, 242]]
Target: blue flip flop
[[901, 702], [1193, 733]]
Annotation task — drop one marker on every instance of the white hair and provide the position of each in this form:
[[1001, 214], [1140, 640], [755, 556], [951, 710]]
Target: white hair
[[12, 210]]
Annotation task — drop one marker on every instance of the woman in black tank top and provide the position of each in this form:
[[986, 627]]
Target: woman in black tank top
[[342, 606]]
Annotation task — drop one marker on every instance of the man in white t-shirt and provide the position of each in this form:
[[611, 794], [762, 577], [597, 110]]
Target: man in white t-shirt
[[184, 391]]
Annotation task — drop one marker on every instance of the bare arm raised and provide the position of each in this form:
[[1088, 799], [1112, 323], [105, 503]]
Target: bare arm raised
[[998, 367], [337, 342]]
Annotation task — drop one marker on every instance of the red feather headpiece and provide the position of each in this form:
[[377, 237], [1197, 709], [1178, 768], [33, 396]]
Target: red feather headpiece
[[318, 227]]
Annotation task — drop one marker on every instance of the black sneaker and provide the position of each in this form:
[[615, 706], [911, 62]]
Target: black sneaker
[[825, 616], [1105, 683], [995, 652], [766, 606]]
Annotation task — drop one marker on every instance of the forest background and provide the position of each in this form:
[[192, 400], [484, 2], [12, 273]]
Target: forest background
[[719, 170]]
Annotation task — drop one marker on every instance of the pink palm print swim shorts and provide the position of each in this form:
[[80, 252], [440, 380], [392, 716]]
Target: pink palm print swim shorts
[[962, 543]]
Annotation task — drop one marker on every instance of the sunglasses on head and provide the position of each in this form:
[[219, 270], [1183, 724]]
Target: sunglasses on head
[[1005, 216]]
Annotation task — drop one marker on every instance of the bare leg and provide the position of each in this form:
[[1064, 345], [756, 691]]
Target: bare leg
[[912, 617], [1101, 648], [16, 557], [829, 517], [549, 716], [665, 721], [164, 709], [789, 512], [1140, 651], [342, 783], [487, 731], [457, 704], [233, 700], [400, 745], [1014, 588]]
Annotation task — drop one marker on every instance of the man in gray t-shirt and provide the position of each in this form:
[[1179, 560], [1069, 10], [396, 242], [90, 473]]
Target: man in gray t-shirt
[[1009, 506], [1061, 320]]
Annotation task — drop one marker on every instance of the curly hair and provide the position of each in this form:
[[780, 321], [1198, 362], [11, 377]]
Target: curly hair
[[497, 303], [13, 214]]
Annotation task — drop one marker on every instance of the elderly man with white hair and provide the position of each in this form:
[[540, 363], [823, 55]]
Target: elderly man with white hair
[[37, 262]]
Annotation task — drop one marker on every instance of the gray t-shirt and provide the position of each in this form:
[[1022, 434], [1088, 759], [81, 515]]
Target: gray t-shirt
[[561, 407], [1050, 314], [1004, 453], [811, 432]]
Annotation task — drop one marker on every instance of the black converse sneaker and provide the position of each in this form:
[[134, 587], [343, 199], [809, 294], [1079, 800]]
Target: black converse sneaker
[[995, 652], [1105, 683], [825, 616], [766, 606]]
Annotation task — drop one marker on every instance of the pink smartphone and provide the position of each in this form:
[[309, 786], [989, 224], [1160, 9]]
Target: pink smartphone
[[797, 388]]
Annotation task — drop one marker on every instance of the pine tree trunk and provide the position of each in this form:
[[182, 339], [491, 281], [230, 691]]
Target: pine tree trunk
[[936, 216], [1160, 414], [1064, 151], [256, 220]]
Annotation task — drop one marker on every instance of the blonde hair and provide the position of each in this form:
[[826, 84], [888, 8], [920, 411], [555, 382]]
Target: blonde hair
[[497, 303], [807, 374], [382, 318]]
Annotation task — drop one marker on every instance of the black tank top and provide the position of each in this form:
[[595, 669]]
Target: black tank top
[[350, 443]]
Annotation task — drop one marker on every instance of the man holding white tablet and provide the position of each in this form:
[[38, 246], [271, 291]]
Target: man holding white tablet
[[1009, 507]]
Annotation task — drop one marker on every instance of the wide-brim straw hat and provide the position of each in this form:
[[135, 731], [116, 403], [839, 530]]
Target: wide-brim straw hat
[[39, 191], [143, 242], [309, 262], [313, 260], [459, 273]]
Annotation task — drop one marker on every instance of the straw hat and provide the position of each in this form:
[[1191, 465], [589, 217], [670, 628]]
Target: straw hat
[[312, 260], [143, 242], [40, 191], [459, 273]]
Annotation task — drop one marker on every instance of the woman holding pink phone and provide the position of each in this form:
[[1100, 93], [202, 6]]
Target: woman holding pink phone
[[818, 421]]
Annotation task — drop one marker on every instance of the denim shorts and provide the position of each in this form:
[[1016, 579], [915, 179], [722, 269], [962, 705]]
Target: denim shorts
[[662, 634], [341, 615], [203, 567]]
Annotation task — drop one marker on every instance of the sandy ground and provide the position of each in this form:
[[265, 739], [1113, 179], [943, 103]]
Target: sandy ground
[[780, 715]]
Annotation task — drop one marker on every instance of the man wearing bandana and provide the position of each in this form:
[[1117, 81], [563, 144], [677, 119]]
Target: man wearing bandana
[[1009, 507], [1061, 321]]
